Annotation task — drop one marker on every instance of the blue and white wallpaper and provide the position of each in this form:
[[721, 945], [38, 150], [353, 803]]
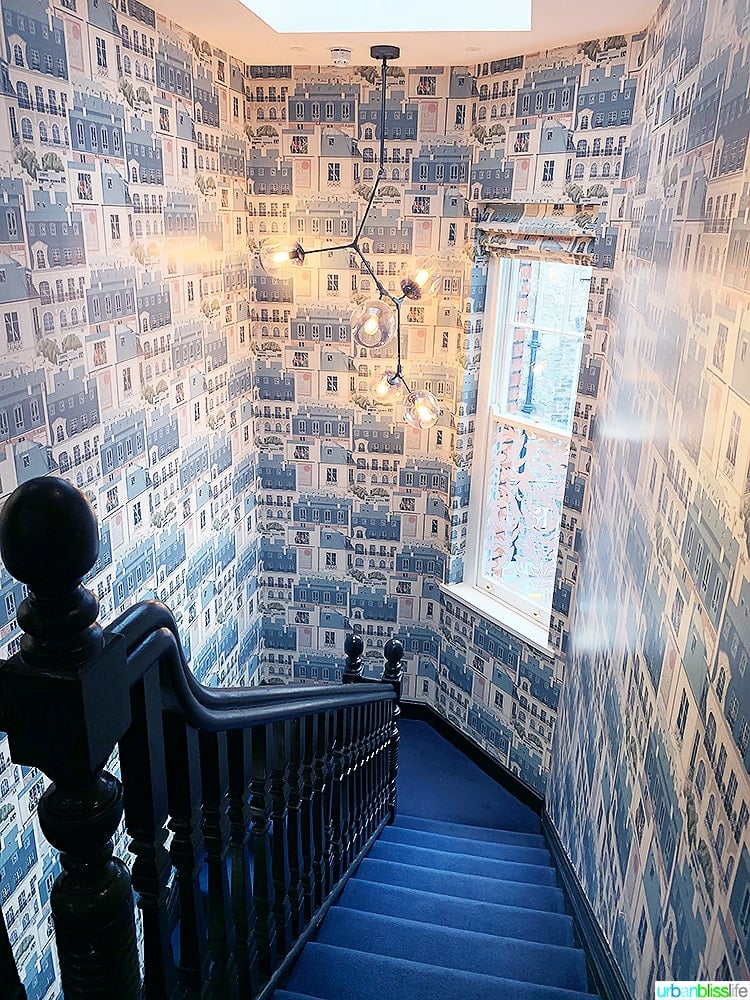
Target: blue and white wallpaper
[[649, 784], [221, 422]]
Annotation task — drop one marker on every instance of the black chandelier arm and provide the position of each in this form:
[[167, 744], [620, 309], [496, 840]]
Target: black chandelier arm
[[327, 249], [370, 200]]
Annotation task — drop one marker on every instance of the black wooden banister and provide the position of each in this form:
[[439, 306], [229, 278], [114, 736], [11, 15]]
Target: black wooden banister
[[150, 633], [246, 808]]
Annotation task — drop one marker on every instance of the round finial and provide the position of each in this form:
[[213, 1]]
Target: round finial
[[393, 650], [353, 646], [49, 535]]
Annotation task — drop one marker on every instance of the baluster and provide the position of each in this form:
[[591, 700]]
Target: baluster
[[338, 795], [386, 724], [221, 931], [357, 781], [392, 674], [350, 797], [372, 710], [323, 806], [65, 704], [243, 906], [146, 812], [263, 889], [188, 851], [279, 769], [308, 736], [296, 864]]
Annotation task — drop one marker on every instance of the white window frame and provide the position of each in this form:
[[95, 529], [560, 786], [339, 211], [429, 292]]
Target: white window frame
[[512, 613]]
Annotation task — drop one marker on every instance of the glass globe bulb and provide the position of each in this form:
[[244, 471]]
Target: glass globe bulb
[[423, 281], [373, 323], [278, 256], [422, 409], [387, 387]]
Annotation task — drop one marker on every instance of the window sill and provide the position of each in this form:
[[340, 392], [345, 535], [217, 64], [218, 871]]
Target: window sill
[[501, 614]]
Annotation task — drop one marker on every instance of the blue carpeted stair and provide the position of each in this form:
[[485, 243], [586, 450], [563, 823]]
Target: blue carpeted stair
[[457, 900]]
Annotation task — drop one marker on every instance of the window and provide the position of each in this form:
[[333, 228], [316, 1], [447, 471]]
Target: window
[[330, 560], [682, 714], [334, 173], [12, 330], [527, 392], [101, 53], [114, 225], [734, 438]]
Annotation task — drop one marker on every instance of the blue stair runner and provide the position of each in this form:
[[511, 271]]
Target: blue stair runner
[[443, 910]]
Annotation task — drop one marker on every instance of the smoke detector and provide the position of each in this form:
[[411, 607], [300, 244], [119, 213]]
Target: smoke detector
[[341, 56]]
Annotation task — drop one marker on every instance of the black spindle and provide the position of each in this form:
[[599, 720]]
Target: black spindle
[[263, 888], [243, 905], [308, 736], [188, 851], [65, 704], [323, 805], [294, 826], [216, 831], [338, 794], [392, 674], [145, 794], [279, 770]]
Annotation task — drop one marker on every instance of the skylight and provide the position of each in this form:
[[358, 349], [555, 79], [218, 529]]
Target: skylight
[[301, 16]]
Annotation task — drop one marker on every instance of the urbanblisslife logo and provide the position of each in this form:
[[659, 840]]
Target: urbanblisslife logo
[[701, 990]]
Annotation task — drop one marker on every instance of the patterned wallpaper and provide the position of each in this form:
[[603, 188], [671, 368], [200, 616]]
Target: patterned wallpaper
[[220, 420], [649, 783]]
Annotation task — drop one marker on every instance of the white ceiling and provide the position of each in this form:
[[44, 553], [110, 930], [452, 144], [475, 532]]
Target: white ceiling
[[229, 25]]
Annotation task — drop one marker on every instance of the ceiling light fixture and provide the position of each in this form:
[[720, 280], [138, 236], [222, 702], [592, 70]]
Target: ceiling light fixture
[[375, 322]]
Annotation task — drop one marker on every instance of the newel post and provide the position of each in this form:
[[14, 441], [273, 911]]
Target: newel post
[[392, 674], [64, 702], [353, 647]]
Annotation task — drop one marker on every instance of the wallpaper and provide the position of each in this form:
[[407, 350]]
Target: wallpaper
[[649, 783], [219, 419]]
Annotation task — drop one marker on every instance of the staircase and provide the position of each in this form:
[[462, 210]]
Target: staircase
[[445, 909]]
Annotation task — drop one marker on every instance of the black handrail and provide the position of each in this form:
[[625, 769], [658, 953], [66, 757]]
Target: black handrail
[[246, 808]]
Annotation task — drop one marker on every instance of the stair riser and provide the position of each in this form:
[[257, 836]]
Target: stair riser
[[455, 948], [486, 918], [536, 897], [341, 974], [463, 864], [462, 845]]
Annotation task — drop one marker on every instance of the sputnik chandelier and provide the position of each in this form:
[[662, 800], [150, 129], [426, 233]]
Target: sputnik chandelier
[[375, 322]]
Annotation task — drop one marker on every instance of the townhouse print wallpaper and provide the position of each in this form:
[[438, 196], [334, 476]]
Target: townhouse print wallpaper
[[220, 420], [649, 785]]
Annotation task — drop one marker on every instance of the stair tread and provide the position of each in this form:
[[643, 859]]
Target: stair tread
[[537, 897], [455, 948], [331, 972], [529, 854], [466, 830], [489, 918], [467, 864]]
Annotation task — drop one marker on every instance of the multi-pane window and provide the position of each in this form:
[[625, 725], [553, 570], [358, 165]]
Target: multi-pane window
[[734, 439], [527, 393]]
